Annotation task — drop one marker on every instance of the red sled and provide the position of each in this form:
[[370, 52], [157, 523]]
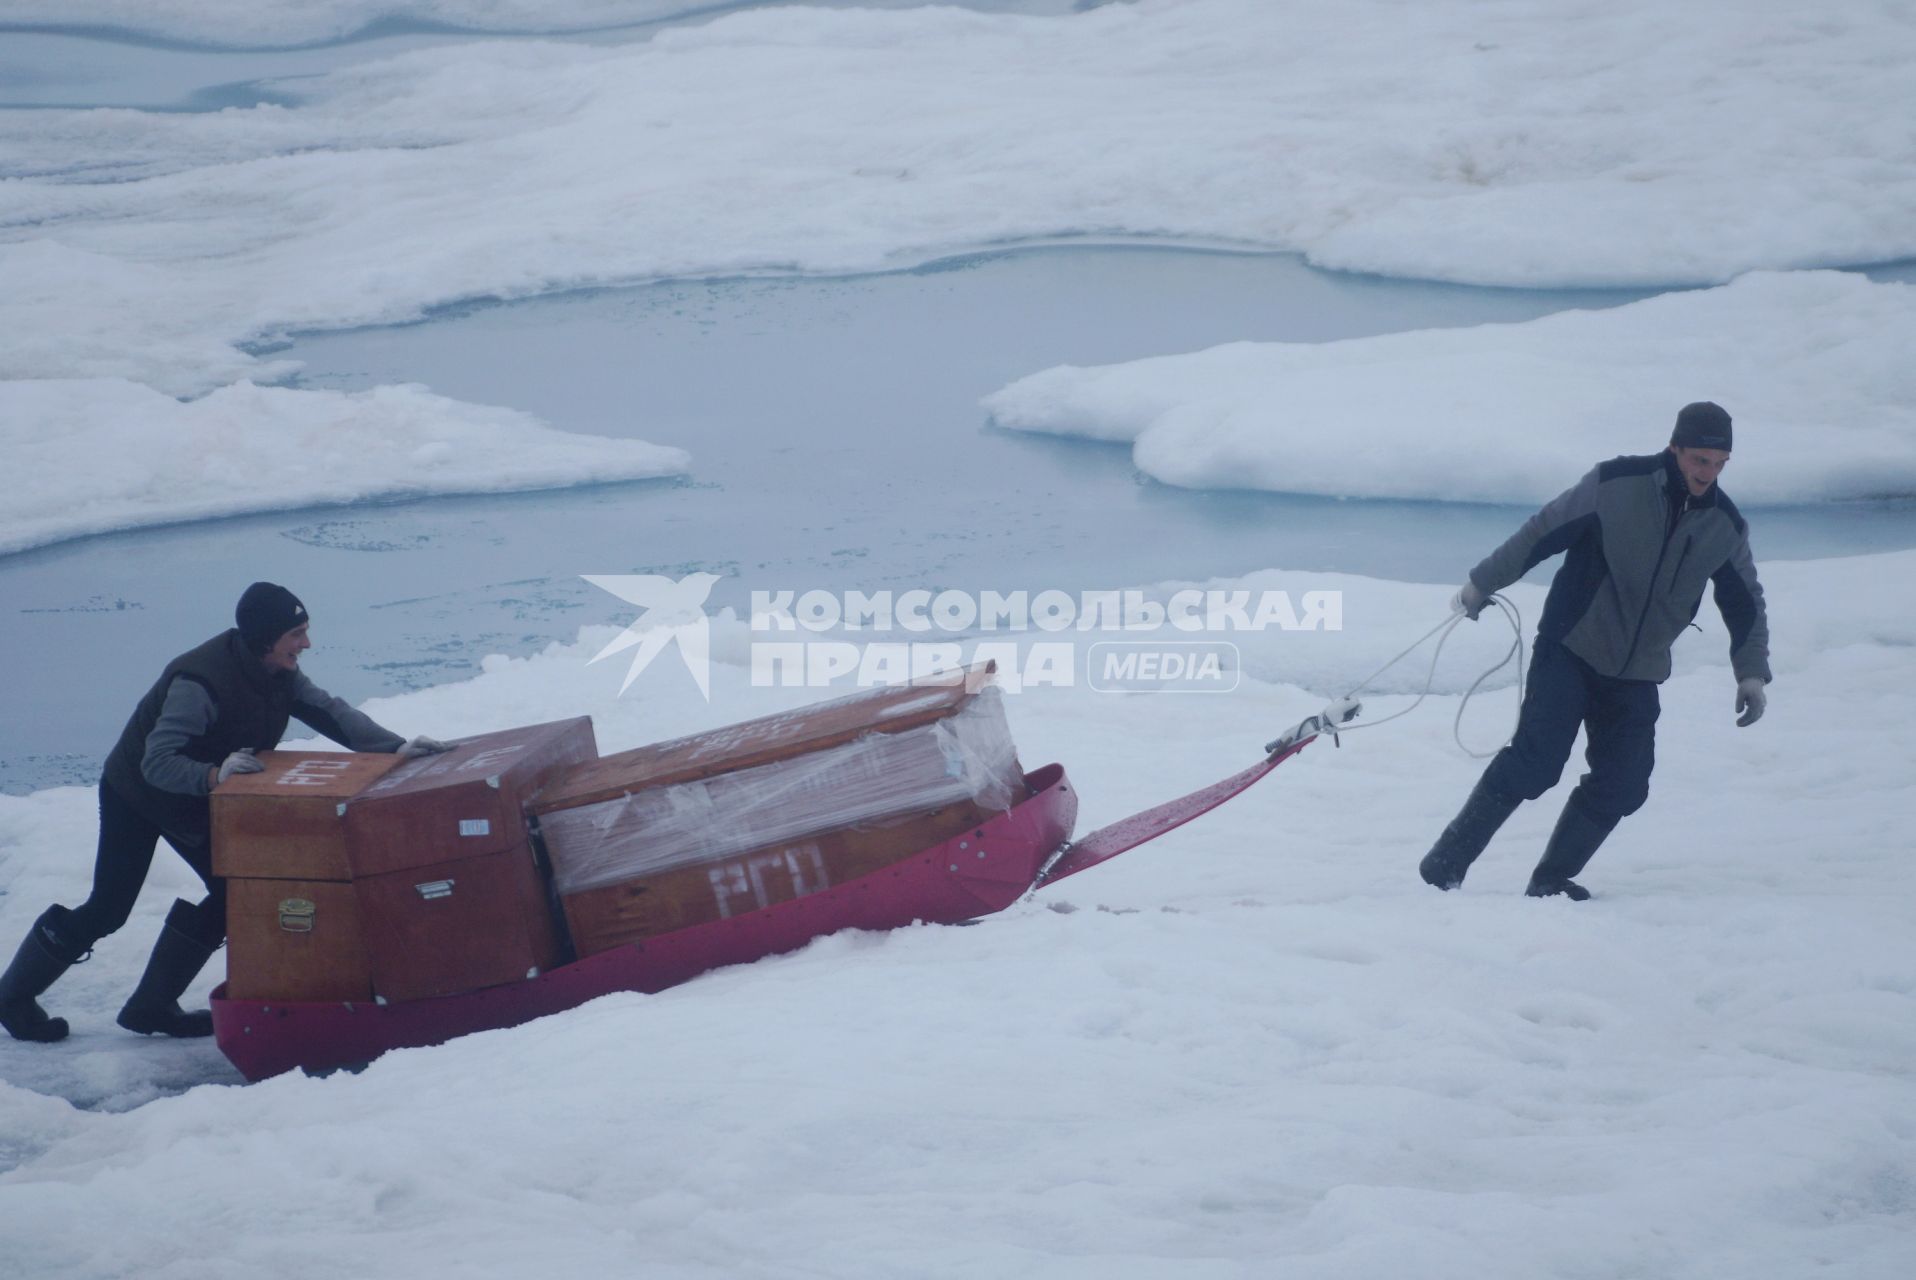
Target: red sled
[[974, 874]]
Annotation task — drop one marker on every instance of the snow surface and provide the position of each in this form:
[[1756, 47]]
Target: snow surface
[[1257, 1046], [1814, 367], [109, 454]]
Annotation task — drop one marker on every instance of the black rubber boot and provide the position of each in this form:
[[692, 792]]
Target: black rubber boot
[[45, 953], [1485, 811], [1578, 834], [178, 957]]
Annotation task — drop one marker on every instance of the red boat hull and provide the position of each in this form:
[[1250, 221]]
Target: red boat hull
[[975, 874]]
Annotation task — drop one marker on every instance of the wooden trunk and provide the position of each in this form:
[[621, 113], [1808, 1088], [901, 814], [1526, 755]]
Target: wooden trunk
[[288, 822], [455, 926], [462, 803], [419, 874], [450, 893], [279, 837], [295, 940]]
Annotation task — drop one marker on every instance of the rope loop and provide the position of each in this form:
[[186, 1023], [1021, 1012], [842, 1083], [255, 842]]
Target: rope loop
[[1512, 616]]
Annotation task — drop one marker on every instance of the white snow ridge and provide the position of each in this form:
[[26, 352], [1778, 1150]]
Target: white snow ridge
[[1814, 367], [109, 454]]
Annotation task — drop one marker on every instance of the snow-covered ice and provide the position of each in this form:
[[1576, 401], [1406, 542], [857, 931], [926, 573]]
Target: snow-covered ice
[[108, 454], [1258, 1045], [1814, 367]]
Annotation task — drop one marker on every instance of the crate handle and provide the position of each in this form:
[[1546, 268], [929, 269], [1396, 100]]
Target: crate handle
[[296, 914], [434, 889]]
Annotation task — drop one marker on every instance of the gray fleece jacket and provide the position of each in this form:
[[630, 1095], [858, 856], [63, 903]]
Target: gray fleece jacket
[[1638, 551], [188, 713]]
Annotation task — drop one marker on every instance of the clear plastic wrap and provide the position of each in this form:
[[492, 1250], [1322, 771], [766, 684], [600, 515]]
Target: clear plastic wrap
[[965, 756]]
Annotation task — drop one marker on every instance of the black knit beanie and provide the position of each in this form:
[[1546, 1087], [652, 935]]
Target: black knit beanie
[[266, 612], [1702, 425]]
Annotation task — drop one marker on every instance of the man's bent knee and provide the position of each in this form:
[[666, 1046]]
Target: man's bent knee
[[1611, 800], [1519, 776]]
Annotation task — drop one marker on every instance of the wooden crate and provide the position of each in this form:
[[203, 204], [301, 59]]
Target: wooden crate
[[450, 894], [288, 822], [459, 925], [295, 940], [614, 915], [461, 803]]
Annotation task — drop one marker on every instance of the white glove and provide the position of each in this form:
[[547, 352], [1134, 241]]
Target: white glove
[[1468, 601], [1750, 700], [241, 761], [422, 746]]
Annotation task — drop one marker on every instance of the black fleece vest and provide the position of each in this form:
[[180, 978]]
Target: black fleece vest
[[250, 708]]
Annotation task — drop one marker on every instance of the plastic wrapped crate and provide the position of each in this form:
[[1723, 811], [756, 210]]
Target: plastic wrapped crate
[[710, 827]]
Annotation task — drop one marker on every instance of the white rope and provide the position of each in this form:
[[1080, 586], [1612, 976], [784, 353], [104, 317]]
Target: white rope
[[1512, 616]]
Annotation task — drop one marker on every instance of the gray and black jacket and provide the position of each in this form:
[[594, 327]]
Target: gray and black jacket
[[211, 701], [1639, 550]]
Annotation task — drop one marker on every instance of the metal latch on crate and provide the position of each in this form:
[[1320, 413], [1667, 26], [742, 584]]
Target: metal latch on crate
[[296, 914], [434, 889]]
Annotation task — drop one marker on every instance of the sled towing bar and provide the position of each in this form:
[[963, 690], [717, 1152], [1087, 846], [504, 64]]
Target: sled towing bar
[[1128, 833]]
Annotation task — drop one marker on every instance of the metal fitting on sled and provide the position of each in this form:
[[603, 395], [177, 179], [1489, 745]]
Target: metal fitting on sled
[[1328, 721]]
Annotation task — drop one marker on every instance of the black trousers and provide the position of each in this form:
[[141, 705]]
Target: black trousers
[[1619, 716], [127, 842]]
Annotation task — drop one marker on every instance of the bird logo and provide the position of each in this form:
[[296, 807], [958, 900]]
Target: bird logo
[[672, 610]]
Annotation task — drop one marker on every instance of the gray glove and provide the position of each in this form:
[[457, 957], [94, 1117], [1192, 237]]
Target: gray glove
[[422, 746], [1468, 601], [1750, 700], [241, 761]]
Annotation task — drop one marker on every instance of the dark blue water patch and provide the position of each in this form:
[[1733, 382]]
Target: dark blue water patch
[[1902, 271], [239, 95]]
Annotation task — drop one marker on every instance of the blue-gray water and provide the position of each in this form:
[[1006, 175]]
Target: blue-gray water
[[836, 440]]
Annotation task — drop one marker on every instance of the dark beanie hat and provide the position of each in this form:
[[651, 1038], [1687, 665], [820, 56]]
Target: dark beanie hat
[[266, 612], [1702, 426]]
